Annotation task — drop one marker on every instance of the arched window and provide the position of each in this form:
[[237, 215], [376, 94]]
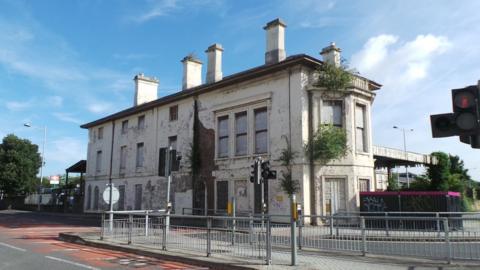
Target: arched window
[[89, 197], [96, 198]]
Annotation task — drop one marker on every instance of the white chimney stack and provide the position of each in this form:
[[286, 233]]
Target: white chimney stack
[[275, 31], [214, 65], [192, 72], [145, 89], [331, 55]]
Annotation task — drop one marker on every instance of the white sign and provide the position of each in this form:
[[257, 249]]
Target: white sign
[[54, 179], [115, 195]]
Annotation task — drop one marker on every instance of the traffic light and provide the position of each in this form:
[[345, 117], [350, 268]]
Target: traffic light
[[266, 172], [465, 109], [254, 175], [465, 119]]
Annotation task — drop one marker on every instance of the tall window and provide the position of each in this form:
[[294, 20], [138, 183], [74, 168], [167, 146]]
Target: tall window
[[98, 165], [363, 185], [140, 154], [141, 122], [96, 198], [121, 198], [174, 113], [123, 157], [360, 132], [138, 197], [100, 133], [241, 133], [331, 112], [125, 127], [223, 136], [261, 131]]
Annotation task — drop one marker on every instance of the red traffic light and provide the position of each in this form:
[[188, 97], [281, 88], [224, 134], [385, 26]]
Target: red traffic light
[[464, 100]]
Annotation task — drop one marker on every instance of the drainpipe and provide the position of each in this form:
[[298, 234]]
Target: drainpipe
[[313, 191]]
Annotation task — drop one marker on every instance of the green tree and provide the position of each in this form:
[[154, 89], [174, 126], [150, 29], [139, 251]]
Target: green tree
[[287, 183], [333, 78], [393, 182], [19, 164], [328, 143], [440, 172]]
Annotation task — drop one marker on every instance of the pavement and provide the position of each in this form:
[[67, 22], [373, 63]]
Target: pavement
[[29, 241]]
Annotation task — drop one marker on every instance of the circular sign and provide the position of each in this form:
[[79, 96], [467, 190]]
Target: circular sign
[[115, 195]]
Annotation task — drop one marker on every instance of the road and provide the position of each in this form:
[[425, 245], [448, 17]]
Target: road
[[29, 241]]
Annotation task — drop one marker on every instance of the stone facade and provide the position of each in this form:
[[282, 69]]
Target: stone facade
[[294, 108]]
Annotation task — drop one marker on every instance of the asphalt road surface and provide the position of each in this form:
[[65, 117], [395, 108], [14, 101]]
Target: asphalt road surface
[[29, 241]]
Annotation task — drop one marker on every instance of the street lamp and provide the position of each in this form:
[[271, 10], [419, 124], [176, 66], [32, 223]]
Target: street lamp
[[43, 159], [404, 130]]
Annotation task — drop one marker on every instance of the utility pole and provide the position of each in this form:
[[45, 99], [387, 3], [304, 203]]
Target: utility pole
[[405, 152]]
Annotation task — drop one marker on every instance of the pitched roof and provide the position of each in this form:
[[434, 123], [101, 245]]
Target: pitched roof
[[226, 81]]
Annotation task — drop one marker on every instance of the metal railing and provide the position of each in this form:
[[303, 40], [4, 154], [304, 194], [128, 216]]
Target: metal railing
[[238, 237], [436, 236]]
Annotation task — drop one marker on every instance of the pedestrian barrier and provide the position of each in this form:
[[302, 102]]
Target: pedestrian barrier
[[436, 236]]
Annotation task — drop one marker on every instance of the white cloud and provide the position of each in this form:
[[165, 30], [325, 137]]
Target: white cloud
[[55, 101], [99, 107], [65, 150], [18, 105], [67, 117]]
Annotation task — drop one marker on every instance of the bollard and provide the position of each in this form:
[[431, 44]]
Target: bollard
[[209, 236], [269, 242], [447, 240], [364, 236], [146, 223], [293, 230], [300, 231], [102, 229], [130, 228], [164, 233]]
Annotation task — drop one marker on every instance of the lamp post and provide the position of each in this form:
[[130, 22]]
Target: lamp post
[[42, 159], [404, 130]]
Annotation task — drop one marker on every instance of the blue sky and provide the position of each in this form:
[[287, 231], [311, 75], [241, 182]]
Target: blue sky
[[64, 63]]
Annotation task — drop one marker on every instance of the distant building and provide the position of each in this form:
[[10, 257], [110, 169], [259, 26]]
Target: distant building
[[232, 120]]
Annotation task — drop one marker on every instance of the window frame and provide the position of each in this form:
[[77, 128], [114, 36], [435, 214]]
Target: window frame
[[140, 156], [100, 133], [238, 134], [226, 118], [366, 147], [342, 112], [141, 122], [173, 113], [98, 161], [123, 157], [256, 132], [124, 127]]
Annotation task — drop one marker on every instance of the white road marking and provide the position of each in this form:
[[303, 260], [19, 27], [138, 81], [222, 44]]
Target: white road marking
[[12, 247], [72, 263]]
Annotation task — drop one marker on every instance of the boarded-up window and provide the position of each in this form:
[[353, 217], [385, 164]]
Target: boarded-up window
[[125, 127], [162, 158], [121, 198], [261, 131], [98, 165], [138, 197], [335, 196], [141, 122], [96, 198], [360, 131], [174, 113], [223, 136], [331, 112], [363, 185], [222, 195], [123, 157], [100, 133], [241, 133], [140, 154]]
